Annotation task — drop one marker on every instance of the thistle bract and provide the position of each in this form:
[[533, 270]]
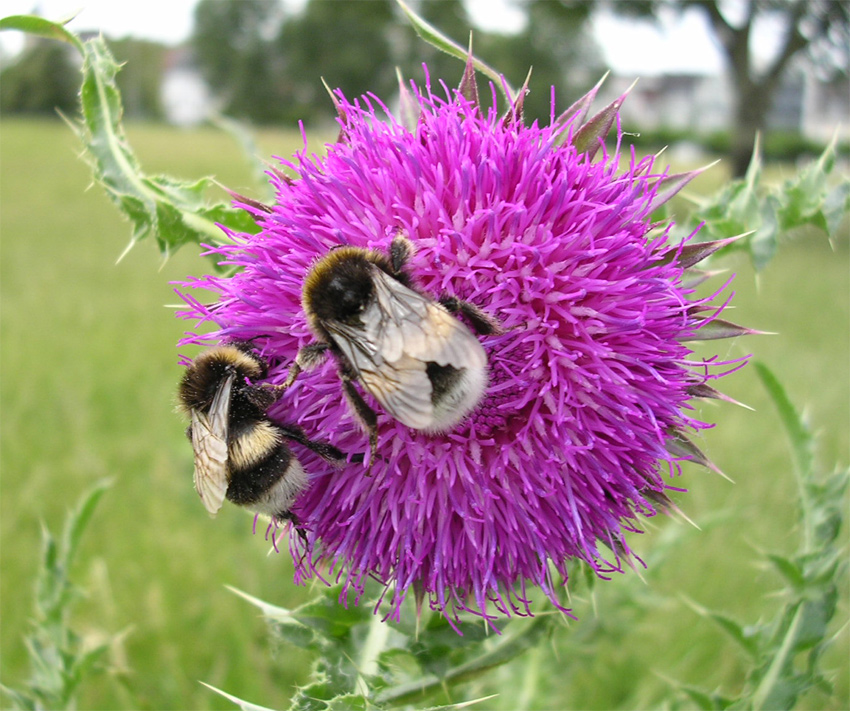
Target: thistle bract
[[585, 420]]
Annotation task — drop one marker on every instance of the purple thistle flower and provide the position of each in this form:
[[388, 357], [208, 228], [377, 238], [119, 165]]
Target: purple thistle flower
[[582, 427]]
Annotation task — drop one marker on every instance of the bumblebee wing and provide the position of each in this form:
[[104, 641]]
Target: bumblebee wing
[[402, 332], [404, 391], [408, 322], [401, 387], [209, 441]]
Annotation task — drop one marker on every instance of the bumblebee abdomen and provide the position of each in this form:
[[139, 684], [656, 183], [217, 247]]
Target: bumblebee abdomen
[[455, 393], [443, 379], [251, 443], [270, 483]]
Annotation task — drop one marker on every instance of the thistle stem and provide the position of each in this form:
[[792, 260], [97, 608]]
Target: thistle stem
[[531, 679], [376, 640], [774, 673]]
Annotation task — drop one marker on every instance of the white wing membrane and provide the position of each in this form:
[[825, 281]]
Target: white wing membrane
[[209, 441], [403, 331]]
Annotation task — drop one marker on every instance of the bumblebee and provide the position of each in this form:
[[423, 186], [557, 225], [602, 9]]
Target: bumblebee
[[408, 350], [240, 454]]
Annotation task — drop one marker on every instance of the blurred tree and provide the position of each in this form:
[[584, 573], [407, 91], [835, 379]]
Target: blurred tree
[[556, 44], [268, 66], [552, 40], [140, 76], [816, 29], [235, 51], [43, 79], [345, 43]]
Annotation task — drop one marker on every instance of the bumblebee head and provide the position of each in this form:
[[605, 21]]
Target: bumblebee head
[[210, 369], [339, 286]]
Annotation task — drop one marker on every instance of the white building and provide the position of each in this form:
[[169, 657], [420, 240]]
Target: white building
[[703, 104], [186, 98]]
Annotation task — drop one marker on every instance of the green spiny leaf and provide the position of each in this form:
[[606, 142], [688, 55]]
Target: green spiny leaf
[[703, 699], [744, 637], [743, 207], [79, 518], [789, 570], [348, 702], [175, 212], [284, 625], [329, 618], [816, 615], [439, 646], [783, 695], [34, 25], [804, 193], [765, 242], [58, 658], [801, 439], [241, 703], [460, 705], [501, 653], [768, 213], [836, 207], [48, 583], [271, 612], [829, 512], [437, 39], [22, 701], [321, 692]]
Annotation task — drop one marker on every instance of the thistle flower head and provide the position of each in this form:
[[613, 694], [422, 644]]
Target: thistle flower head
[[583, 425]]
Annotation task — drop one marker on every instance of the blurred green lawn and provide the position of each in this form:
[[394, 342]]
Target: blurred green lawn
[[89, 368]]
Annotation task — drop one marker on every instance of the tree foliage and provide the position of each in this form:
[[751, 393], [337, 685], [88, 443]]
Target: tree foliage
[[268, 65], [143, 65], [232, 41], [817, 31], [345, 43], [45, 78]]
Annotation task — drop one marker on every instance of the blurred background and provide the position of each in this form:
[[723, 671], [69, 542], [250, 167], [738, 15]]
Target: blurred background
[[712, 72], [88, 353]]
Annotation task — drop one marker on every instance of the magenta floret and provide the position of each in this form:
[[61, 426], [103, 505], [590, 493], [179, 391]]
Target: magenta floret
[[587, 384]]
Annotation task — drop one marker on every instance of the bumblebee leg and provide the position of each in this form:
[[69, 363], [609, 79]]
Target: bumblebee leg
[[482, 323], [324, 449], [364, 413], [401, 248], [307, 359], [296, 524], [263, 396]]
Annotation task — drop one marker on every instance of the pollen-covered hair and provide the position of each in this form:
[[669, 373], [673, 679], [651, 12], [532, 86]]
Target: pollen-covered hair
[[204, 376], [340, 281]]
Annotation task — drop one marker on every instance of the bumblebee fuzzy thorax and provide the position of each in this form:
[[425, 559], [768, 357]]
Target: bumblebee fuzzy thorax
[[203, 378], [340, 286]]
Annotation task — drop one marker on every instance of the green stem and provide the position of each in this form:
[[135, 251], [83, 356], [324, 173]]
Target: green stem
[[774, 672], [376, 640], [408, 693], [530, 680]]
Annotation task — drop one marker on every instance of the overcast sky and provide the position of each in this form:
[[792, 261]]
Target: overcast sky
[[630, 47]]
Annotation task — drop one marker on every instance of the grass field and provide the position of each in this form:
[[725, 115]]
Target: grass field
[[89, 368]]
